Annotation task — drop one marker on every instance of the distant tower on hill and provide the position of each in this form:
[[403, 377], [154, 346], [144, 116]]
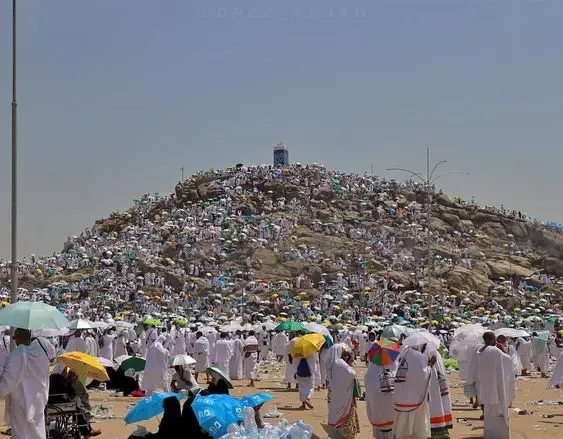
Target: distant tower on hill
[[281, 155]]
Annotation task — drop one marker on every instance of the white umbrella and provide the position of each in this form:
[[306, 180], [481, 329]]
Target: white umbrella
[[511, 332], [181, 360], [465, 341], [106, 363], [319, 329], [420, 338], [52, 332], [123, 324], [122, 358], [231, 327], [80, 324]]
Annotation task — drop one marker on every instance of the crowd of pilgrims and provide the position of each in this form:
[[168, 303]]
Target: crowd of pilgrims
[[408, 398]]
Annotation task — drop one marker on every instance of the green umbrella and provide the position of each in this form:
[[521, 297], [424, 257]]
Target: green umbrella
[[33, 315], [290, 326], [152, 322], [137, 363]]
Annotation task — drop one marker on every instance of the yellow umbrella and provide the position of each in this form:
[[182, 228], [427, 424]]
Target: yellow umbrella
[[307, 345], [84, 365]]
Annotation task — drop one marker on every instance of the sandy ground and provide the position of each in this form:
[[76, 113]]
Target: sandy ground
[[541, 421]]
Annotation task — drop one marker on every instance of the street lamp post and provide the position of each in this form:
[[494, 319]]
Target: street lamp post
[[14, 264], [428, 181]]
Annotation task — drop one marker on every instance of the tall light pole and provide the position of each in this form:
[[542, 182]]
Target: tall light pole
[[428, 181], [14, 265]]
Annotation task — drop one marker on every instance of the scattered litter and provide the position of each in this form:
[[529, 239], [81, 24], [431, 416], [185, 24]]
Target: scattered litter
[[546, 402], [272, 413], [102, 411]]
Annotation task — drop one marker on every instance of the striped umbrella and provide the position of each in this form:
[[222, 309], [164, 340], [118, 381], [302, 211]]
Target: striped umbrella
[[384, 352]]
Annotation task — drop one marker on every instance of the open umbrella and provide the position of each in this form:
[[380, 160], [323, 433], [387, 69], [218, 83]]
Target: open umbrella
[[307, 345], [511, 332], [106, 363], [80, 324], [149, 407], [127, 362], [255, 399], [384, 352], [393, 331], [318, 329], [216, 412], [84, 365], [181, 360], [420, 338], [32, 315], [290, 326], [219, 374]]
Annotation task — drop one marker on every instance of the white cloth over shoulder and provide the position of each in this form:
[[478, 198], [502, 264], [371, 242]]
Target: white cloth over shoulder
[[25, 385]]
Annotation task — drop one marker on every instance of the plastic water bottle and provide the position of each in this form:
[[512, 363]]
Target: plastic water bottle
[[249, 423]]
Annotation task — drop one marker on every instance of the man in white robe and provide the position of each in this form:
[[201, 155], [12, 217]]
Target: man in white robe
[[540, 354], [557, 376], [250, 357], [306, 381], [264, 342], [150, 335], [155, 375], [410, 399], [91, 345], [212, 338], [24, 383], [77, 343], [178, 342], [524, 349], [108, 345], [191, 338], [235, 366], [201, 354], [223, 353], [290, 365], [496, 389], [279, 345]]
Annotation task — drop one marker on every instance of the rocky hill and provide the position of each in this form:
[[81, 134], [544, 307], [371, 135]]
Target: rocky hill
[[308, 222]]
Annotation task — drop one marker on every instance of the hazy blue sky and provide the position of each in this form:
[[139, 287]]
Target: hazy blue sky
[[116, 96]]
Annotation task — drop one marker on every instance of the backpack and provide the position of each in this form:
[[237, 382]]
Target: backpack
[[303, 369]]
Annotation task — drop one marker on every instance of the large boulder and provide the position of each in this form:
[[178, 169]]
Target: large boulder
[[473, 280], [507, 269]]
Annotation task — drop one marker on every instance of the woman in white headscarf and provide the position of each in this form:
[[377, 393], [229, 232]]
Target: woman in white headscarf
[[155, 375], [342, 413]]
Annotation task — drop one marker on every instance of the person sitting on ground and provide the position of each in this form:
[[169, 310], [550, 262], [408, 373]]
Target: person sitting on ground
[[217, 386], [183, 379]]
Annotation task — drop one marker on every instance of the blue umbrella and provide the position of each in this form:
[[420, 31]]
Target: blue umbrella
[[216, 412], [255, 399], [149, 407]]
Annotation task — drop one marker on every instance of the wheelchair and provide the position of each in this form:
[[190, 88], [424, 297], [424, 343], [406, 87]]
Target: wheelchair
[[63, 419]]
